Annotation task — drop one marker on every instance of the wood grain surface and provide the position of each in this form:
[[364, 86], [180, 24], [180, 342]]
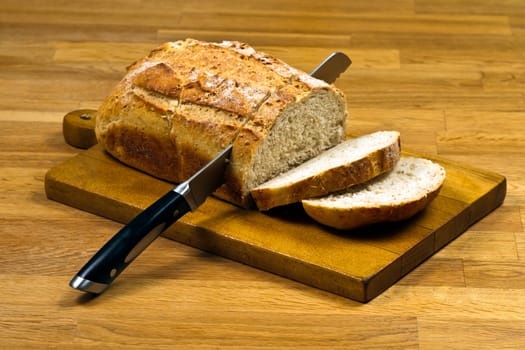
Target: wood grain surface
[[449, 75], [358, 264]]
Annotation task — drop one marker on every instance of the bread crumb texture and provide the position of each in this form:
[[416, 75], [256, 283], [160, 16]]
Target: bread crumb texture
[[344, 153], [351, 162]]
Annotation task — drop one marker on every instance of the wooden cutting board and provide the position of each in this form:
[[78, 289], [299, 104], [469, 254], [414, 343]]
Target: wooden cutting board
[[358, 264]]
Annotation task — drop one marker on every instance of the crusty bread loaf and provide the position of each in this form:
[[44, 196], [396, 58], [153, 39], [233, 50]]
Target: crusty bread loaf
[[352, 162], [178, 107], [393, 196]]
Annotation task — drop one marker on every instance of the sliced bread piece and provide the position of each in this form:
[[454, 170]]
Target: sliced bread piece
[[351, 162], [394, 196]]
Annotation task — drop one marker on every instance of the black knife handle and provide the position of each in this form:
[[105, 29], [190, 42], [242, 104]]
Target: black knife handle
[[129, 242]]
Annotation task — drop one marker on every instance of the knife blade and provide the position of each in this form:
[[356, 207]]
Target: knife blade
[[109, 262], [330, 69]]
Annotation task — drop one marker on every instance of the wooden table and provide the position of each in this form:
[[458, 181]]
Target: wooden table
[[449, 75]]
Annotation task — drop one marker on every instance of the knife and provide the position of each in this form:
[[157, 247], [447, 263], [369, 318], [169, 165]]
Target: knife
[[330, 69], [109, 262]]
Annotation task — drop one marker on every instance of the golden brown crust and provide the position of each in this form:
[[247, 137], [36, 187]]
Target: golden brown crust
[[347, 219], [160, 78], [178, 107]]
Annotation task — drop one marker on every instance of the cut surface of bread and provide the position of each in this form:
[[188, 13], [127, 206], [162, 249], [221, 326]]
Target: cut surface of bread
[[177, 108], [352, 162], [393, 196]]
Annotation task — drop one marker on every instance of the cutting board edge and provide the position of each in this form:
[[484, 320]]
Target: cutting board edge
[[498, 193], [307, 273]]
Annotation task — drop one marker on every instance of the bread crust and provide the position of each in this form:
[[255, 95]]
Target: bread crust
[[348, 219], [342, 212], [178, 107], [330, 180]]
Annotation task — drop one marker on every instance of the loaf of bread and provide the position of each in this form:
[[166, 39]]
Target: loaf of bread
[[178, 107], [351, 162], [393, 196]]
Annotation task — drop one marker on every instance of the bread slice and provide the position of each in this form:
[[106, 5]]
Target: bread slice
[[351, 162], [393, 196], [177, 108]]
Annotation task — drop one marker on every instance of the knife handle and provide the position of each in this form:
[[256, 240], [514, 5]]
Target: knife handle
[[98, 273]]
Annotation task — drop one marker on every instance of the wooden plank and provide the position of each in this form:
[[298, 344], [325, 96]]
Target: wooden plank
[[335, 23], [359, 264], [469, 334], [469, 295]]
